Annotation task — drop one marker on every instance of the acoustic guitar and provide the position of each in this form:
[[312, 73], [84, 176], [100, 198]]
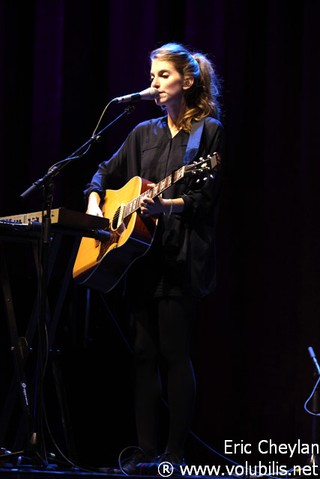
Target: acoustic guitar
[[101, 264]]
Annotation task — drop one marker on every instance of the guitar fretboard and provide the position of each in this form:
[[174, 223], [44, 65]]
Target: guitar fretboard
[[155, 191], [204, 165]]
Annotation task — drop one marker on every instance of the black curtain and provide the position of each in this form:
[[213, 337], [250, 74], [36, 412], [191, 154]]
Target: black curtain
[[61, 63]]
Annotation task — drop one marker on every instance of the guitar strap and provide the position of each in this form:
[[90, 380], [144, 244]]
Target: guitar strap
[[193, 142]]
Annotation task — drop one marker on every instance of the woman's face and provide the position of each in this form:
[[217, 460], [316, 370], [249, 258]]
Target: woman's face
[[169, 83]]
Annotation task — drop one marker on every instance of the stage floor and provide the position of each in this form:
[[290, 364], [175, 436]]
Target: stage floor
[[23, 473], [19, 466], [34, 473]]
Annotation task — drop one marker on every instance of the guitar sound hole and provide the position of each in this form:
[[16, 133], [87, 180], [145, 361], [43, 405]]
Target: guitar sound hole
[[115, 220]]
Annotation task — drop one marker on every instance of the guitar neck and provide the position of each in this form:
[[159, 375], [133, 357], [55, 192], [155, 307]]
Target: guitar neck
[[200, 167], [155, 191]]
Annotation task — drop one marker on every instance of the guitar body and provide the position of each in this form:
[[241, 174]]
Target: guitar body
[[101, 264]]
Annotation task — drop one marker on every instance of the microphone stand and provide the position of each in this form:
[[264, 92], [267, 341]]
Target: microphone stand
[[36, 443], [77, 154]]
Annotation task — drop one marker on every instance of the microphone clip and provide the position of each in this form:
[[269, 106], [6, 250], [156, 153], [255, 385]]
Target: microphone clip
[[129, 109]]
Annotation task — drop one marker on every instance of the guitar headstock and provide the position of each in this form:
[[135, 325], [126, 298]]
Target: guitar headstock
[[204, 165]]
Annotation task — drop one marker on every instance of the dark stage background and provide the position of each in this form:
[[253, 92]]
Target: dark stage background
[[61, 62]]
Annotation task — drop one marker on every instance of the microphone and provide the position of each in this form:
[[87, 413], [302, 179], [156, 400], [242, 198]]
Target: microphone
[[313, 357], [147, 94]]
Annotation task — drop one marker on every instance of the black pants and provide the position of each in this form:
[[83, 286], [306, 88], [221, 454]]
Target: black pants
[[163, 329]]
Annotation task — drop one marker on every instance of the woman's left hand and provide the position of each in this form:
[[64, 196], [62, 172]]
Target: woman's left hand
[[153, 207]]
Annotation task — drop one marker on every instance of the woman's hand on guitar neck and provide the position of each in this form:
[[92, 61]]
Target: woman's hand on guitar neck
[[159, 205], [153, 207]]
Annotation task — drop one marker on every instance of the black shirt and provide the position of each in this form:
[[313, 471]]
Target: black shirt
[[181, 259]]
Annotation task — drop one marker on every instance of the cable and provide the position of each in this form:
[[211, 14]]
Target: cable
[[100, 119], [121, 461], [309, 399]]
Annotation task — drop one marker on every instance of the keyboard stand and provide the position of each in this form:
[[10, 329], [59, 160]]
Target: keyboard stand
[[23, 382]]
